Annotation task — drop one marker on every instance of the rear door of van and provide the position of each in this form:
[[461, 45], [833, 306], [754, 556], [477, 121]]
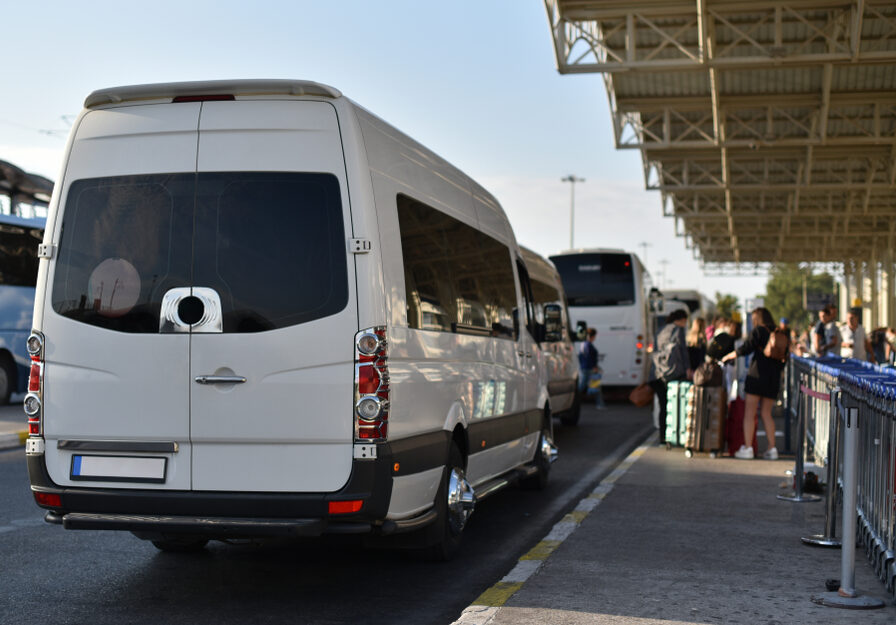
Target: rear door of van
[[272, 226], [204, 295]]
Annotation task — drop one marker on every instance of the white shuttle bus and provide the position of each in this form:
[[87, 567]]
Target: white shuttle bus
[[262, 310], [607, 289]]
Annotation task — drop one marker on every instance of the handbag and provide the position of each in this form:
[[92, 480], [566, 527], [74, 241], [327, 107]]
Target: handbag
[[641, 395], [594, 381]]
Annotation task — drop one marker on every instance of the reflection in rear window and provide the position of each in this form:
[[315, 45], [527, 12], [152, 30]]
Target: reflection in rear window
[[597, 279], [270, 244]]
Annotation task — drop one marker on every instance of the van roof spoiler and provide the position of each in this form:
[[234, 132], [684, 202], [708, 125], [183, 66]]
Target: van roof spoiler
[[117, 95]]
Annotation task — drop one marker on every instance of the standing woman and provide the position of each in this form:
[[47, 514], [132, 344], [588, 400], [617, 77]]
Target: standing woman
[[762, 383]]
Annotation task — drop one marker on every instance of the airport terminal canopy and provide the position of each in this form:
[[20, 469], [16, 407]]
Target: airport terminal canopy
[[23, 187], [768, 126]]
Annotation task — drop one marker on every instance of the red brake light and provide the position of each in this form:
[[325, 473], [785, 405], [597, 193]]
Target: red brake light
[[344, 507], [34, 377], [51, 500], [33, 403], [368, 379], [371, 385], [204, 98]]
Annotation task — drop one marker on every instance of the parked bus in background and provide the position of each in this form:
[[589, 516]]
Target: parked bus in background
[[698, 304], [19, 238], [607, 289]]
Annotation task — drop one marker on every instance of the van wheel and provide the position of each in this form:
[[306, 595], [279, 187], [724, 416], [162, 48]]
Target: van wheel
[[571, 416], [175, 543], [454, 505], [542, 461], [7, 379]]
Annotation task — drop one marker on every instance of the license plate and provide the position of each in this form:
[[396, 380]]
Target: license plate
[[119, 468]]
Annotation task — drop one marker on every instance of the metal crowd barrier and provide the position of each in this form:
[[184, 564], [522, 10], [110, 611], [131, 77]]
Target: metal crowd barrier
[[847, 409]]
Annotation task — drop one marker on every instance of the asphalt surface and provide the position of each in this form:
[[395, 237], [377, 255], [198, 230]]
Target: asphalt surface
[[53, 575]]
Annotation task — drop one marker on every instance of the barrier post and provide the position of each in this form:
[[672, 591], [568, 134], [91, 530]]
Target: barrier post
[[846, 596], [828, 538], [798, 472]]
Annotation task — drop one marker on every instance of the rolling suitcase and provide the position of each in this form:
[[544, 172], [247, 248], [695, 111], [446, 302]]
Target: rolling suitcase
[[705, 423], [707, 408], [677, 393]]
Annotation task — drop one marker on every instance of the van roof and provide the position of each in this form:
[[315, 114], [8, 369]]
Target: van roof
[[117, 95]]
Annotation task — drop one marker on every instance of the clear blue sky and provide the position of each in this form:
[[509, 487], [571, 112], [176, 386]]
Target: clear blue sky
[[475, 81]]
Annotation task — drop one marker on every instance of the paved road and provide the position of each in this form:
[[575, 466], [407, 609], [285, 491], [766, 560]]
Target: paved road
[[52, 575]]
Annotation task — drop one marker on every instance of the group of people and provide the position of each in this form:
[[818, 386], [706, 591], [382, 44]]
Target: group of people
[[678, 354], [848, 339]]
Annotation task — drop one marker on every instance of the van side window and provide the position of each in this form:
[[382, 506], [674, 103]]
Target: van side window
[[457, 279], [542, 295], [528, 299]]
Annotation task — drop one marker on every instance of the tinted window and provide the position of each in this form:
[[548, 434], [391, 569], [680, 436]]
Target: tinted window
[[271, 245], [457, 278], [597, 279], [18, 249], [544, 294]]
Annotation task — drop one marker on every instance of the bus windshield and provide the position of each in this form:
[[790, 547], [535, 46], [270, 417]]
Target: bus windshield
[[603, 279]]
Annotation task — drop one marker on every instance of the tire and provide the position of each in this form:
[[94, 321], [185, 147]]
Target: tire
[[174, 543], [7, 379], [571, 416], [454, 505], [542, 461]]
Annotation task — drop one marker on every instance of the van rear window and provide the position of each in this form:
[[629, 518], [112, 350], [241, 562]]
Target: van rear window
[[272, 245]]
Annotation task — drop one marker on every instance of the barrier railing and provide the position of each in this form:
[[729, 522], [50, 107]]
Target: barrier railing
[[849, 409]]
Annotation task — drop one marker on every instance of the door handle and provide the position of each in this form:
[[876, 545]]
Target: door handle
[[220, 379]]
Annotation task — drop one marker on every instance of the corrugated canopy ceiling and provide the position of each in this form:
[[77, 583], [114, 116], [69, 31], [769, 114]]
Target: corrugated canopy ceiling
[[769, 127]]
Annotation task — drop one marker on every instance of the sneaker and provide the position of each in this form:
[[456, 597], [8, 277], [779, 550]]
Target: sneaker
[[771, 454], [744, 453]]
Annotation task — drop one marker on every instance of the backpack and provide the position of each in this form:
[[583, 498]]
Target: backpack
[[778, 345], [709, 374]]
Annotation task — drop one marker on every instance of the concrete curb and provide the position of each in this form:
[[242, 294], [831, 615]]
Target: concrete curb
[[12, 440], [486, 607]]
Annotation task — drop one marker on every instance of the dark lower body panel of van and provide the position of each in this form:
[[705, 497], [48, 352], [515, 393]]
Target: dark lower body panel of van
[[249, 514]]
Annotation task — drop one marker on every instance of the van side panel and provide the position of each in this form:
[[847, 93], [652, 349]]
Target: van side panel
[[430, 370]]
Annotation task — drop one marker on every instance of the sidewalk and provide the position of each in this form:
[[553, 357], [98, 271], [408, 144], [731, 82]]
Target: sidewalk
[[668, 540], [12, 432]]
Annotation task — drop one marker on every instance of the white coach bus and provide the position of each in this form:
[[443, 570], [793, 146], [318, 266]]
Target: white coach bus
[[607, 289]]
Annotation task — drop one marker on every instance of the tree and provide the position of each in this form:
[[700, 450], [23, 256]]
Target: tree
[[784, 292], [726, 304]]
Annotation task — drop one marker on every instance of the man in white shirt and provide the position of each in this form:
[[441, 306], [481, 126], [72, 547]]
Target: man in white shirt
[[854, 342]]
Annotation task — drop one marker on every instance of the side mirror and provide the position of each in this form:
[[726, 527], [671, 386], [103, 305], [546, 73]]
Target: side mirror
[[553, 323], [581, 330]]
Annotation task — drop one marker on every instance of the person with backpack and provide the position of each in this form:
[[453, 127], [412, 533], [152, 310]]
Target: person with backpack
[[770, 347], [670, 361]]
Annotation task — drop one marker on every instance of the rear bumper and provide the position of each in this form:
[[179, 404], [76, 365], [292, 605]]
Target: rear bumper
[[223, 527], [232, 514]]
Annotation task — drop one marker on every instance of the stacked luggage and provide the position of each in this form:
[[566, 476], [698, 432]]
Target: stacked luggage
[[706, 411]]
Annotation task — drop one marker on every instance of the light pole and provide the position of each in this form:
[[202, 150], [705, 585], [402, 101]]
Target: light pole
[[572, 180], [644, 245]]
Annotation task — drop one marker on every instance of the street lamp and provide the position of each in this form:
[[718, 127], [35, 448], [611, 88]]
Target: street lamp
[[572, 180]]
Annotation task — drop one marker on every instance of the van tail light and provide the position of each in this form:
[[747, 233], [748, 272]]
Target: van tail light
[[48, 500], [371, 385], [33, 403]]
